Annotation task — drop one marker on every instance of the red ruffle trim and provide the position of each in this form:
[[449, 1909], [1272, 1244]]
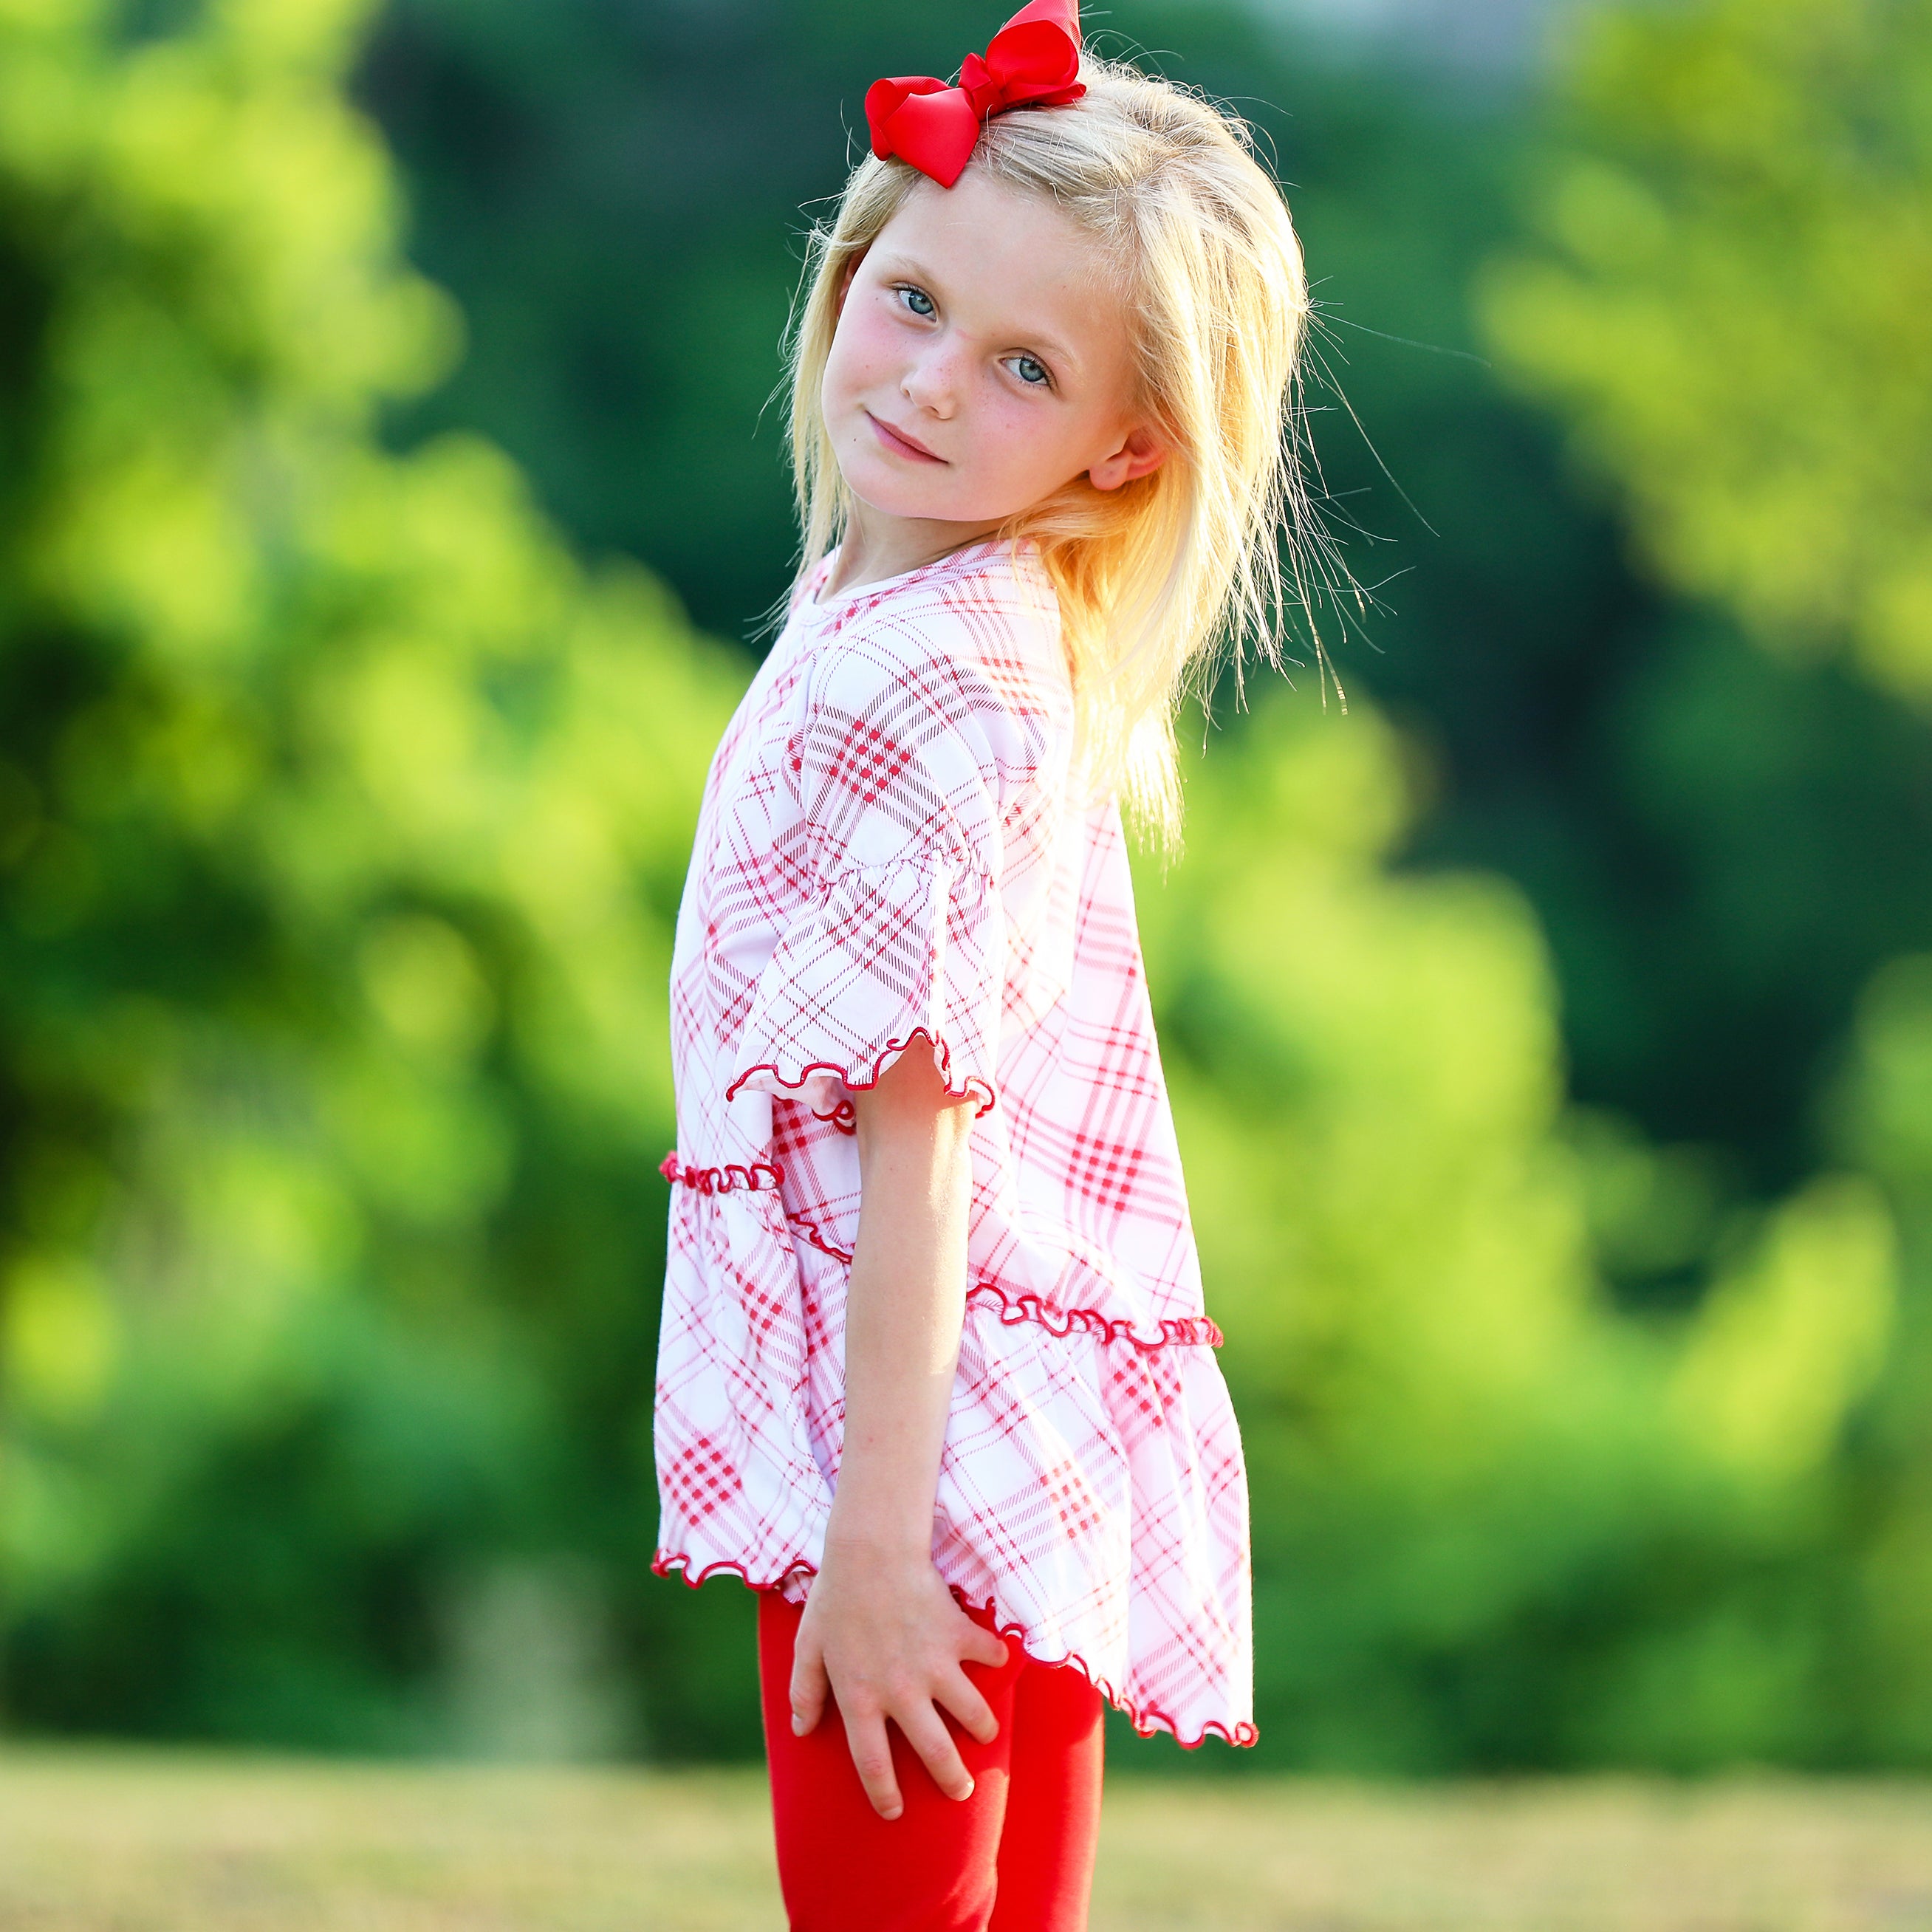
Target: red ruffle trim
[[1187, 1331], [1145, 1720], [761, 1173], [973, 1084]]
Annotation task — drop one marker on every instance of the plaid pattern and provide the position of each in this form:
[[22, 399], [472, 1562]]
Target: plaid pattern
[[889, 852]]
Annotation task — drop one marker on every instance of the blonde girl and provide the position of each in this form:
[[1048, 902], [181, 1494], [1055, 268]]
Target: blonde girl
[[936, 1377]]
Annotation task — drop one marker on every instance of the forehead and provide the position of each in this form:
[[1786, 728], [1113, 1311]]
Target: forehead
[[996, 249]]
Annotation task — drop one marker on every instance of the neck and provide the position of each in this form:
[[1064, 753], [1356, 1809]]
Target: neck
[[876, 546]]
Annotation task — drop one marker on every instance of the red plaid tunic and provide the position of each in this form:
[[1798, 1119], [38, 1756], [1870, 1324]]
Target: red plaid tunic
[[889, 847]]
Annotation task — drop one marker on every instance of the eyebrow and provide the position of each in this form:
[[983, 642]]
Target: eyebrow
[[903, 267]]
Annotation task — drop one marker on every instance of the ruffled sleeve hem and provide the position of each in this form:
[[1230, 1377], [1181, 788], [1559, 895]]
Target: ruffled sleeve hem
[[885, 957], [793, 1078]]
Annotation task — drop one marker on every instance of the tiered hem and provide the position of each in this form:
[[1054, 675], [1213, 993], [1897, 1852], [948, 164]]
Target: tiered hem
[[1190, 1331], [1147, 1720]]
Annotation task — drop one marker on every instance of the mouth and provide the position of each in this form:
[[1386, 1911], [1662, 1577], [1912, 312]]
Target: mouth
[[899, 443]]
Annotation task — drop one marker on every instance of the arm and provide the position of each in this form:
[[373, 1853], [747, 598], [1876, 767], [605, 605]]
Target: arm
[[881, 1629]]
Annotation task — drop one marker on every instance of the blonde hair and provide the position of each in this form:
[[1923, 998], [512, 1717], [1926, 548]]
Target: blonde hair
[[1155, 579]]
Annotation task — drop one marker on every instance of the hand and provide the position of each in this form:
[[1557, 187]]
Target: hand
[[884, 1635]]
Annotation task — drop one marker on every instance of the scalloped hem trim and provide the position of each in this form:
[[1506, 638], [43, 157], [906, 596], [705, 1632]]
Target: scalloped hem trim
[[973, 1084], [1186, 1331], [720, 1179], [1146, 1721]]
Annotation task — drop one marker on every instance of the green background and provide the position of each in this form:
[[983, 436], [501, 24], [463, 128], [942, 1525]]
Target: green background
[[389, 492]]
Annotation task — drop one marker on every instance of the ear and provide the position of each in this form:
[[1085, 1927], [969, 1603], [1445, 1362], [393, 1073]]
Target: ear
[[1140, 455]]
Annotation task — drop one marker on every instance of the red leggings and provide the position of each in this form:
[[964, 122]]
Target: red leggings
[[1017, 1856]]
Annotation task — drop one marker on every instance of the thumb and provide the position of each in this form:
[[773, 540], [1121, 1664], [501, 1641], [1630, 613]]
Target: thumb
[[808, 1687]]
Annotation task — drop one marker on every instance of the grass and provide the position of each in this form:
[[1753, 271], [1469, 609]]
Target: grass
[[97, 1842]]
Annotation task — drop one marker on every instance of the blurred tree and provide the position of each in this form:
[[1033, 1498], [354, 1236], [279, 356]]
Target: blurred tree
[[1734, 314], [342, 820], [1729, 308], [1884, 1551], [342, 815], [1496, 1523]]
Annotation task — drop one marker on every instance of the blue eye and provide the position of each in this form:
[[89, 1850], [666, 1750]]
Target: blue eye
[[1032, 373], [918, 301]]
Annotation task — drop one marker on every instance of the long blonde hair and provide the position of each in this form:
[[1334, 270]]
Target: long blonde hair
[[1155, 579]]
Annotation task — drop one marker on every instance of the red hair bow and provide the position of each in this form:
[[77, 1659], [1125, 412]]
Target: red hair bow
[[1033, 60]]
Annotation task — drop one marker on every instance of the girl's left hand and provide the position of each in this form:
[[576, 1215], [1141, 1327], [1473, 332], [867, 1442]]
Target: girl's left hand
[[884, 1636]]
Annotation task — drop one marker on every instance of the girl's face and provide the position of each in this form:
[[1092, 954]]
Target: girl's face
[[982, 361]]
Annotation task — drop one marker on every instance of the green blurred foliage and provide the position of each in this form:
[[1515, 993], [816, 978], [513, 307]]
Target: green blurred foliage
[[343, 813], [1735, 317], [1728, 306], [1496, 1521], [345, 819]]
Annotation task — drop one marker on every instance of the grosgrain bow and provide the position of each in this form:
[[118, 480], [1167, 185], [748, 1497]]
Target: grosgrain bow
[[1033, 61]]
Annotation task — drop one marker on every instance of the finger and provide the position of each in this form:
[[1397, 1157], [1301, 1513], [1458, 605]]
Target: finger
[[872, 1758], [925, 1731], [982, 1646], [809, 1685], [960, 1696]]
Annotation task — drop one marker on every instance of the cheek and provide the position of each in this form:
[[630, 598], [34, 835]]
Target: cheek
[[864, 351], [1034, 444]]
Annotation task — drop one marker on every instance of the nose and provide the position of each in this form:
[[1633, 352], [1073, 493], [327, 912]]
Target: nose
[[932, 379]]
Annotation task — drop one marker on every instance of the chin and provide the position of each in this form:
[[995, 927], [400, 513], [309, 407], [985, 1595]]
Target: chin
[[878, 488]]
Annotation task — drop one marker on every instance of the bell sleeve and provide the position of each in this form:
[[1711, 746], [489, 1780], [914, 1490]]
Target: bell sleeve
[[900, 764]]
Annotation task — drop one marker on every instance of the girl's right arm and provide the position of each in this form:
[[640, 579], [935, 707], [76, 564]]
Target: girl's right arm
[[881, 1630]]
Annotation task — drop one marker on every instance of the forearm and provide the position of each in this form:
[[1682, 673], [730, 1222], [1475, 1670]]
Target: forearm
[[904, 1305], [881, 1632]]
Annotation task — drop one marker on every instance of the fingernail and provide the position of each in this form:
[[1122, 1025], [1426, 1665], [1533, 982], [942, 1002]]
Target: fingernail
[[890, 1815], [797, 1725], [967, 1792]]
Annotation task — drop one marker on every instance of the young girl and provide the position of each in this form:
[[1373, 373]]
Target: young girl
[[935, 1374]]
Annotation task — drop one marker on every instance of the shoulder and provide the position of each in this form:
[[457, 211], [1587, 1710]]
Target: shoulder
[[968, 649]]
